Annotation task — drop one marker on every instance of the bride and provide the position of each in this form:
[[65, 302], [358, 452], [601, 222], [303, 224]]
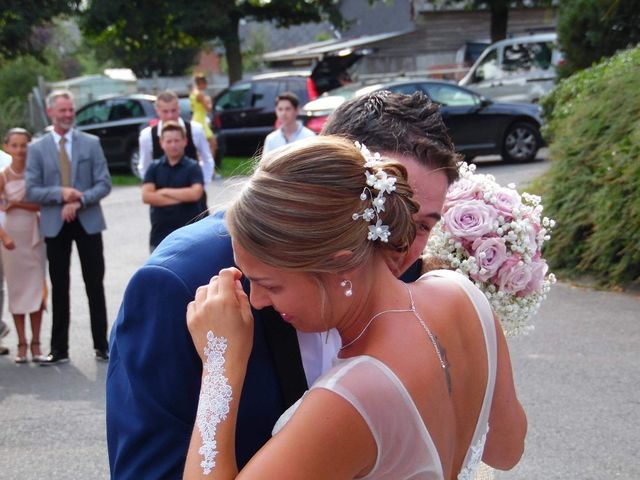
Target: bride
[[422, 388]]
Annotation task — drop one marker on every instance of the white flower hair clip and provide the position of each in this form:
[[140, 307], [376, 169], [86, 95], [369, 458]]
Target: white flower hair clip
[[377, 179]]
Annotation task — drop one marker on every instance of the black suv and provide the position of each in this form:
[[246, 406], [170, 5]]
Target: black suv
[[244, 114]]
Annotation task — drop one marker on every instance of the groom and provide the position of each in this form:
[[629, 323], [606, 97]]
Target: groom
[[153, 381]]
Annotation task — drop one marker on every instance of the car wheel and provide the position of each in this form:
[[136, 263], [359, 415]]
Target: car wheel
[[134, 161], [521, 142]]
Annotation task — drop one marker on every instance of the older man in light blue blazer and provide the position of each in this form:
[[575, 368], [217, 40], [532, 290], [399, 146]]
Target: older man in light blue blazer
[[67, 175]]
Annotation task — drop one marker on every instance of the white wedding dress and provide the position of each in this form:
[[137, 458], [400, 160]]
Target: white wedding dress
[[405, 447]]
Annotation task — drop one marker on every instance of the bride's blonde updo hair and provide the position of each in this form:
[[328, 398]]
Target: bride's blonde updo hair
[[296, 211]]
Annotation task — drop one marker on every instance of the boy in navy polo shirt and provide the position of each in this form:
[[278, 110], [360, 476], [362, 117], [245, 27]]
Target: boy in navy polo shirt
[[173, 185]]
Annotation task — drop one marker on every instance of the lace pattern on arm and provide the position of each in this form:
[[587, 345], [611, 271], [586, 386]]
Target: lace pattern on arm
[[215, 397]]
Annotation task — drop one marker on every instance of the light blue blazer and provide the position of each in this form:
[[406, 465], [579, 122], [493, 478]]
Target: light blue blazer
[[89, 174]]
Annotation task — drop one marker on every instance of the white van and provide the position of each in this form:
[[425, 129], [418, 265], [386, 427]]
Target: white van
[[518, 69]]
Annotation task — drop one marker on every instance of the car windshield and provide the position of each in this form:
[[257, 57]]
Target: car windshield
[[349, 91]]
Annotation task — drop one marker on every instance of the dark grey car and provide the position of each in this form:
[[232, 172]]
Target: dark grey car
[[477, 125]]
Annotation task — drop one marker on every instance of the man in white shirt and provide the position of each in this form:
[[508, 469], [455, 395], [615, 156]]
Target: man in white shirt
[[5, 161], [168, 108], [291, 130]]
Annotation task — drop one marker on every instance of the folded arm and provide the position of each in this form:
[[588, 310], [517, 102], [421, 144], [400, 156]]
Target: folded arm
[[151, 196], [184, 194], [32, 207]]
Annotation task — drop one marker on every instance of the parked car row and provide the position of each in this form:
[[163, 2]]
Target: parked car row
[[520, 68]]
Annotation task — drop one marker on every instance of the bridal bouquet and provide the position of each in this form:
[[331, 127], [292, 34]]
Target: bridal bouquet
[[494, 235]]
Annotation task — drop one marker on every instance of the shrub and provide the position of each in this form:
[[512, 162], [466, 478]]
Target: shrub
[[593, 186]]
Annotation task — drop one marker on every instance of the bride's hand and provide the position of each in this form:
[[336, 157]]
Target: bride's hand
[[223, 308]]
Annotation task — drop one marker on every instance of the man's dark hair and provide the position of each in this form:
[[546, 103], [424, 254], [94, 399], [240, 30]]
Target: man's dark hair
[[290, 97], [173, 126], [400, 124]]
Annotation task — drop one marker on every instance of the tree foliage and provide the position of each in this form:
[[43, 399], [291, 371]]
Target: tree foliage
[[19, 18], [143, 35], [592, 189], [592, 29], [17, 78], [163, 36], [499, 10]]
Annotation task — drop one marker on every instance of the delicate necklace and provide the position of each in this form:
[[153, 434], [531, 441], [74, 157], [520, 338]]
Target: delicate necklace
[[441, 356], [405, 310]]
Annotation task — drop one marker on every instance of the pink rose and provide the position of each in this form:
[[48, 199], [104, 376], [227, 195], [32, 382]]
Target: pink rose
[[514, 275], [538, 271], [462, 189], [470, 219], [506, 200], [495, 254]]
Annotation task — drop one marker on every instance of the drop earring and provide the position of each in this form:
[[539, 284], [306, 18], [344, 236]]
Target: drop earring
[[348, 287]]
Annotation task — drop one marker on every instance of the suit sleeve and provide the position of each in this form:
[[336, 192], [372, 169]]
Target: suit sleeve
[[100, 173], [153, 380], [37, 191]]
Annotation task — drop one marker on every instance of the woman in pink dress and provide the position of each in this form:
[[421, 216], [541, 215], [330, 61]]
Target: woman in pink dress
[[23, 253]]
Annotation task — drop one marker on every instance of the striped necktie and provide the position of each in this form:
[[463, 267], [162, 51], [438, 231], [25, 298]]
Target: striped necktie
[[65, 164]]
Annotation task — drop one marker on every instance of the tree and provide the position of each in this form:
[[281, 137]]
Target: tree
[[499, 10], [143, 35], [590, 30], [148, 33], [19, 18]]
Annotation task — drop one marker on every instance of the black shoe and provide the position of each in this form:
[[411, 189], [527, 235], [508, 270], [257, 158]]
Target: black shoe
[[102, 355], [4, 350], [54, 359]]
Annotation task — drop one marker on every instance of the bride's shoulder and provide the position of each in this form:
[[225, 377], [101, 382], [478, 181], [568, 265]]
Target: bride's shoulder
[[445, 282], [450, 289]]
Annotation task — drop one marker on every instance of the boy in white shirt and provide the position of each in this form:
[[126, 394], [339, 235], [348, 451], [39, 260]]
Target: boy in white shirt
[[291, 130]]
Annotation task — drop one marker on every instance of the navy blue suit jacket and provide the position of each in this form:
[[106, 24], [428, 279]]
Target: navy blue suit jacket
[[153, 380]]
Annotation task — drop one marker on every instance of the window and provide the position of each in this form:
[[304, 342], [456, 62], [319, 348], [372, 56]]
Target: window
[[236, 97], [264, 94], [524, 56], [299, 87], [450, 96], [125, 109], [96, 113], [407, 89], [488, 68]]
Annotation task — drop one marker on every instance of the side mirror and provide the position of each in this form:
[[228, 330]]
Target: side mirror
[[485, 102]]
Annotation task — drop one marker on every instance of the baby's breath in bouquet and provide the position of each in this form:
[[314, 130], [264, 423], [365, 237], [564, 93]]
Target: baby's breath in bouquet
[[494, 235]]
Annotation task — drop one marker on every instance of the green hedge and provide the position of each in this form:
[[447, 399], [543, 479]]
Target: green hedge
[[593, 186]]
